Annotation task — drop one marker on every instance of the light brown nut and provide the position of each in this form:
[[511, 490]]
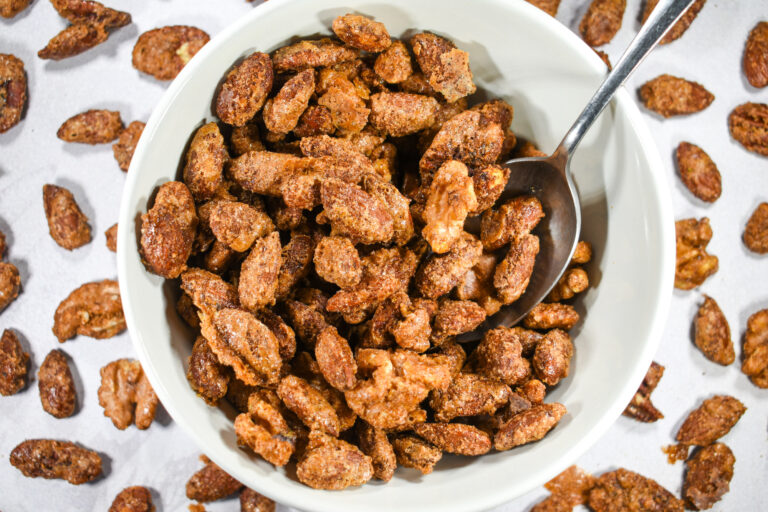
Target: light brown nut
[[286, 338], [374, 443], [205, 374], [679, 28], [756, 231], [164, 51], [354, 213], [499, 356], [337, 261], [552, 357], [574, 280], [669, 96], [126, 144], [694, 265], [67, 224], [337, 158], [133, 499], [333, 464], [601, 21], [93, 309], [208, 291], [245, 89], [469, 395], [548, 6], [309, 405], [551, 316], [698, 172], [297, 263], [13, 90], [450, 199], [625, 490], [532, 390], [714, 418], [168, 231], [13, 364], [263, 172], [312, 54], [553, 502], [57, 389], [413, 331], [413, 452], [748, 124], [316, 120], [514, 272], [489, 183], [10, 8], [111, 236], [361, 32], [91, 127], [126, 394], [264, 430], [712, 334], [456, 317], [9, 284], [88, 11], [511, 221], [335, 359], [528, 426], [756, 55], [445, 67], [305, 367], [393, 65], [74, 40], [281, 113], [211, 483], [755, 349], [399, 113], [396, 204], [205, 162], [251, 501], [238, 225], [349, 113], [455, 438], [48, 459], [640, 407], [573, 485], [259, 273], [582, 254], [245, 138], [708, 476]]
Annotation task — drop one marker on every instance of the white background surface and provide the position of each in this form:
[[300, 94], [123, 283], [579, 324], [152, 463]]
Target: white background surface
[[163, 458]]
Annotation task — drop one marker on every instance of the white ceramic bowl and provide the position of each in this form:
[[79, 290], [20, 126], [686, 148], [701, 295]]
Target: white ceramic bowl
[[547, 73]]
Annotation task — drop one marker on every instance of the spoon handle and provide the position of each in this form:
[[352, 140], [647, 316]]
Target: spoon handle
[[663, 16]]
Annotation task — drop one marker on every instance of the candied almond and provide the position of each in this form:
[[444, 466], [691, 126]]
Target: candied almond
[[10, 8], [312, 54], [211, 483], [551, 316], [251, 501], [445, 67], [714, 418], [133, 499], [67, 224], [626, 490], [456, 317], [748, 124], [399, 113], [74, 40], [13, 364], [698, 172], [337, 261], [111, 237], [374, 443], [712, 334], [245, 89], [708, 475], [756, 231], [91, 127], [513, 219], [669, 96], [205, 374], [208, 291], [205, 162], [164, 51], [513, 274], [414, 452], [755, 349], [259, 273], [13, 90], [469, 395], [439, 273], [282, 113], [333, 464], [393, 65], [126, 394], [679, 28], [552, 357], [89, 11], [9, 284], [308, 404], [335, 359], [756, 55], [528, 426], [49, 458], [238, 225], [126, 144], [361, 32], [94, 309], [455, 438], [57, 389], [601, 21], [354, 213]]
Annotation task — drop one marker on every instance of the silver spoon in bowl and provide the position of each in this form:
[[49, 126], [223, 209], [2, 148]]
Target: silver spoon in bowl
[[549, 178]]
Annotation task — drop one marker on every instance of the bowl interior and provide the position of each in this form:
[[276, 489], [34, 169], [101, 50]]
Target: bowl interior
[[524, 56]]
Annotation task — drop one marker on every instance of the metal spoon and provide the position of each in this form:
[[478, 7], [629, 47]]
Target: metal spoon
[[549, 178]]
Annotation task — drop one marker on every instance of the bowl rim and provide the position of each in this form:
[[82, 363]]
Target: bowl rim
[[324, 502]]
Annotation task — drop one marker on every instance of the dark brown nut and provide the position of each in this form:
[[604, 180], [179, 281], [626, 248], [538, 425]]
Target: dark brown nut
[[698, 172], [48, 459], [309, 405], [511, 221], [354, 213], [712, 334], [416, 83], [208, 291], [286, 338], [91, 127], [552, 357], [316, 120], [399, 113], [74, 40], [489, 183], [305, 367], [57, 389], [694, 265], [601, 21], [349, 113], [259, 273], [211, 483], [709, 476], [450, 199], [168, 230], [575, 280], [469, 395], [245, 89], [582, 254], [238, 225], [9, 284], [756, 231], [312, 54], [67, 224], [528, 426], [413, 452], [532, 390], [445, 67], [573, 485], [88, 11], [748, 124], [514, 272], [640, 407], [251, 501], [126, 144], [13, 364], [456, 317], [333, 464], [245, 138], [669, 96], [625, 490], [10, 8], [714, 418], [13, 90], [679, 28], [455, 438], [755, 349], [126, 394], [548, 6], [133, 499], [163, 52], [756, 55], [361, 32], [205, 162], [263, 429], [111, 236], [297, 263], [394, 64], [307, 321], [335, 359], [551, 316], [337, 261], [281, 113], [205, 374], [499, 356], [94, 310], [375, 444]]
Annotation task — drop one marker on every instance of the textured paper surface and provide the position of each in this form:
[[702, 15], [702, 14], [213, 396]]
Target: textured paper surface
[[163, 458]]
